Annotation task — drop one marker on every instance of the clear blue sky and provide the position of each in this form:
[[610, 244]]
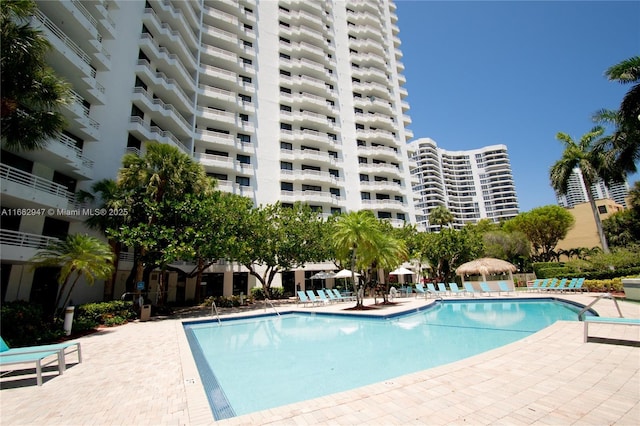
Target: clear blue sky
[[516, 73]]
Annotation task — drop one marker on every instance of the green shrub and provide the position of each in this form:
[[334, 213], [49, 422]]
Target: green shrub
[[257, 293], [104, 312], [614, 284], [24, 324]]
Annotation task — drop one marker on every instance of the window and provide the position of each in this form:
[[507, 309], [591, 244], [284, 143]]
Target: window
[[401, 216], [285, 108], [247, 61], [336, 210], [136, 112], [602, 209], [311, 188], [307, 167], [248, 27], [244, 98], [285, 90], [218, 176], [243, 181], [244, 117], [140, 83], [243, 159], [335, 173], [399, 198], [284, 56], [247, 43], [285, 72], [244, 138], [309, 148], [286, 186], [285, 165], [384, 215], [286, 145], [335, 191], [245, 79], [364, 178], [362, 160], [285, 126], [285, 40], [333, 154], [365, 195], [215, 152], [361, 142]]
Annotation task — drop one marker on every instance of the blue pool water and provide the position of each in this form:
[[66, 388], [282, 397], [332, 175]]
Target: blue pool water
[[258, 363]]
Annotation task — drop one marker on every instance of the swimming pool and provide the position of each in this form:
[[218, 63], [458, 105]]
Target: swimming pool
[[253, 364]]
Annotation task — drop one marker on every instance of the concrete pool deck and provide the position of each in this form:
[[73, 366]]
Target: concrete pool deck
[[143, 373]]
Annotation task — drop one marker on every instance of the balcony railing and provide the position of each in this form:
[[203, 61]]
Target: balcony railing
[[36, 183], [24, 239], [38, 15]]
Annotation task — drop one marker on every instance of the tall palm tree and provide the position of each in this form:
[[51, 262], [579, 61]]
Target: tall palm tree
[[356, 236], [106, 193], [591, 161], [624, 144], [77, 256], [440, 216], [31, 91]]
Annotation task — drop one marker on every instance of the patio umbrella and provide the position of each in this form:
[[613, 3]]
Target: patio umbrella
[[486, 266], [345, 273], [401, 271], [322, 275]]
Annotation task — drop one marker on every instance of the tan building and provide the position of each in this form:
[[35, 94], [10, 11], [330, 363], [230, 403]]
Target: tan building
[[584, 233]]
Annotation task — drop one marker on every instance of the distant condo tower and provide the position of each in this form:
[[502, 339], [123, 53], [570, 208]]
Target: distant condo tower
[[577, 192], [473, 185]]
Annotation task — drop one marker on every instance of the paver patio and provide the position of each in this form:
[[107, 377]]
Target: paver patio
[[143, 373]]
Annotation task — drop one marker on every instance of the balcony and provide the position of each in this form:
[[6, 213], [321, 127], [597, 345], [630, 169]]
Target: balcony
[[308, 155], [310, 176], [165, 87], [34, 191], [178, 124], [383, 205], [216, 116], [22, 246], [215, 138], [310, 197], [143, 131]]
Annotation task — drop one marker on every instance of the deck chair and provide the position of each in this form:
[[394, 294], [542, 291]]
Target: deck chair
[[535, 286], [37, 354], [572, 284], [421, 291], [302, 298], [340, 297], [485, 288], [579, 285], [442, 289], [552, 284], [504, 287], [323, 297], [468, 287], [311, 295], [455, 289], [561, 287]]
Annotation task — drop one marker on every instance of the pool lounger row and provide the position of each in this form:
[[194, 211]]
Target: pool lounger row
[[324, 297], [37, 354], [553, 284]]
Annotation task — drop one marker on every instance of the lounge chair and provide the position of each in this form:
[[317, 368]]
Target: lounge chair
[[485, 288], [431, 289], [323, 297], [442, 289], [579, 284], [455, 289], [468, 287], [341, 297], [421, 291], [36, 354], [561, 285], [552, 284], [572, 284], [544, 284], [535, 286], [302, 298], [504, 287], [331, 295], [311, 295]]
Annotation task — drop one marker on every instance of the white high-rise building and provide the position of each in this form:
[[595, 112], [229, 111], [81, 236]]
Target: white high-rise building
[[577, 191], [474, 184], [282, 100]]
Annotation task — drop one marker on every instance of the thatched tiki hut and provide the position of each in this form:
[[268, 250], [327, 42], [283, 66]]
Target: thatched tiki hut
[[488, 266]]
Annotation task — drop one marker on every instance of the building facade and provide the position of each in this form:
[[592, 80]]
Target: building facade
[[281, 100], [472, 185], [577, 191]]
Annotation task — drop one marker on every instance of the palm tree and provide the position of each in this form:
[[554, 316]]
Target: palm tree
[[31, 91], [106, 192], [624, 144], [149, 185], [440, 216], [356, 235], [77, 256], [591, 161]]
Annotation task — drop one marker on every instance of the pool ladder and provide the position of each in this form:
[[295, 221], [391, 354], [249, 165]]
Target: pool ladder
[[602, 296], [214, 308], [268, 301]]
